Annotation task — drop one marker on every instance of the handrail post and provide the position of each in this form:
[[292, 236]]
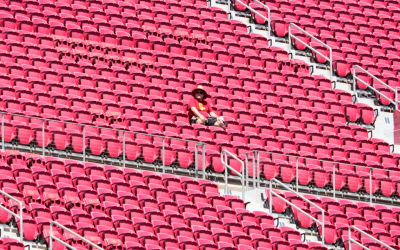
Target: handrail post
[[297, 174], [349, 248], [370, 185], [196, 159], [247, 172], [243, 192], [397, 98], [84, 143], [323, 226], [290, 40], [254, 170], [21, 221], [2, 133], [334, 181], [203, 155], [258, 171], [123, 149], [43, 139], [225, 157], [51, 237], [163, 155], [331, 63], [196, 162], [353, 70], [270, 197]]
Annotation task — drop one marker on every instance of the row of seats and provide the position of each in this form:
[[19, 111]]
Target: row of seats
[[126, 208], [231, 86], [347, 178], [363, 35], [11, 244], [379, 221], [106, 5]]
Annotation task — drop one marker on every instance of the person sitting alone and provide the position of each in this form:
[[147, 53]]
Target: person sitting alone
[[200, 111]]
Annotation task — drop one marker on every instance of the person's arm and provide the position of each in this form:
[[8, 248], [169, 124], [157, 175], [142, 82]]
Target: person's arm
[[197, 113], [212, 114]]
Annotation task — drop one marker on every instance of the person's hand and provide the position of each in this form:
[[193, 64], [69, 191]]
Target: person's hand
[[202, 119], [219, 119]]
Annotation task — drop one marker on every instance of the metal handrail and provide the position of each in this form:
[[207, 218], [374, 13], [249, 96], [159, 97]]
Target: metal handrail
[[71, 232], [366, 234], [257, 13], [330, 59], [269, 34], [224, 161], [355, 79], [75, 123], [271, 192], [123, 131], [256, 165], [256, 162], [20, 216], [269, 18], [196, 162]]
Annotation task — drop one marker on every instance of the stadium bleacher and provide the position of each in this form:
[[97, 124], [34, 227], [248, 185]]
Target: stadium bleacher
[[114, 79], [363, 33], [125, 208]]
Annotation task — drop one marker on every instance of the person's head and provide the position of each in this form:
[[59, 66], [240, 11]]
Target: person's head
[[199, 93]]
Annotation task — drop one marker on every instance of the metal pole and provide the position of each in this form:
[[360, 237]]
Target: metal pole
[[323, 227], [84, 143], [349, 248], [290, 40], [21, 222], [334, 181], [270, 197], [355, 83], [258, 170], [196, 163], [225, 159], [204, 160], [370, 185], [50, 238], [330, 64], [297, 174], [247, 172], [163, 154], [243, 192], [2, 133], [254, 170], [43, 148], [123, 149]]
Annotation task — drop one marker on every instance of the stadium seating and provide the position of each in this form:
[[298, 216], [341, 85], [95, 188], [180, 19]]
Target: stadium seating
[[376, 220], [363, 33], [125, 208], [126, 69], [131, 66]]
